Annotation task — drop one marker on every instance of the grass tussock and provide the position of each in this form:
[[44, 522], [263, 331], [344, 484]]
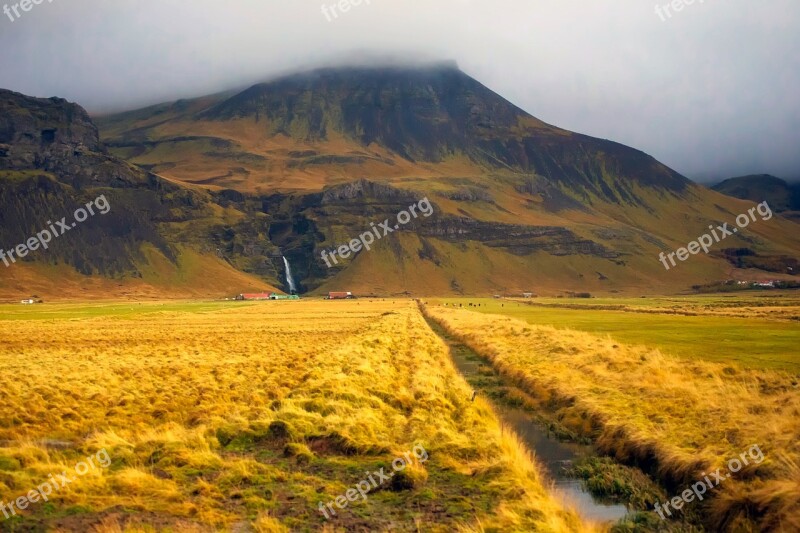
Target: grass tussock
[[675, 418]]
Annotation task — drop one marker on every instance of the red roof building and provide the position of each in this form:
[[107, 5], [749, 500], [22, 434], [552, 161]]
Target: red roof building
[[254, 296]]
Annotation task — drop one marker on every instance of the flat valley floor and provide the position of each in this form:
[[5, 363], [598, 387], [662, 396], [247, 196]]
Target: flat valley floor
[[260, 416]]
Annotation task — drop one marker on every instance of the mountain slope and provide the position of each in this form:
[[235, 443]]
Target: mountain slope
[[52, 163], [306, 163]]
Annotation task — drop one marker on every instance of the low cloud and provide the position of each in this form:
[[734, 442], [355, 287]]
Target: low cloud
[[711, 91]]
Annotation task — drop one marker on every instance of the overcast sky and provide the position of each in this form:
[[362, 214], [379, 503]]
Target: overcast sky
[[712, 90]]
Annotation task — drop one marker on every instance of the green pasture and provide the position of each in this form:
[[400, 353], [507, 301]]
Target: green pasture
[[757, 343]]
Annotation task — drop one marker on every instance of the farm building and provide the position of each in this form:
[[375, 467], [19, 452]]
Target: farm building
[[254, 296], [340, 296]]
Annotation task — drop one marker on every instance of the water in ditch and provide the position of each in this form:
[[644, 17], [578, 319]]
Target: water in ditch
[[552, 454]]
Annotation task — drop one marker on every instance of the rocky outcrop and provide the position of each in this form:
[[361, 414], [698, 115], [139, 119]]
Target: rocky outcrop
[[365, 189], [519, 240], [54, 136], [468, 194], [27, 122]]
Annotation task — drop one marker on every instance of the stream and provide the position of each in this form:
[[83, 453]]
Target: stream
[[552, 454]]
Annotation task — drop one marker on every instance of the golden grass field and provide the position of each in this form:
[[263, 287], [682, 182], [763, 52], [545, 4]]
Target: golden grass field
[[676, 417], [242, 417], [229, 416]]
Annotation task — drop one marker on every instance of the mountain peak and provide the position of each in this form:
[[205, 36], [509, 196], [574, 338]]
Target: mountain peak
[[419, 112], [781, 195], [434, 113]]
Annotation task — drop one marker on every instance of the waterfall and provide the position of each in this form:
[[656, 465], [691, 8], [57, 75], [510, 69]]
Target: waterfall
[[289, 278]]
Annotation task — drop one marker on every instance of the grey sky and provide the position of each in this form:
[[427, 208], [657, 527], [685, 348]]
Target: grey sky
[[713, 91]]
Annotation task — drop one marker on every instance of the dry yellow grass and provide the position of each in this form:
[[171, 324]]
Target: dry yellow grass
[[194, 276], [789, 309], [248, 417], [679, 417]]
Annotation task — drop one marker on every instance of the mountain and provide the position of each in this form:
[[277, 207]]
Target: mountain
[[782, 196], [305, 163], [150, 241], [329, 126]]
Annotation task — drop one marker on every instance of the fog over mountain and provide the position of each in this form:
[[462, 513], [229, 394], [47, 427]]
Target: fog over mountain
[[710, 90]]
